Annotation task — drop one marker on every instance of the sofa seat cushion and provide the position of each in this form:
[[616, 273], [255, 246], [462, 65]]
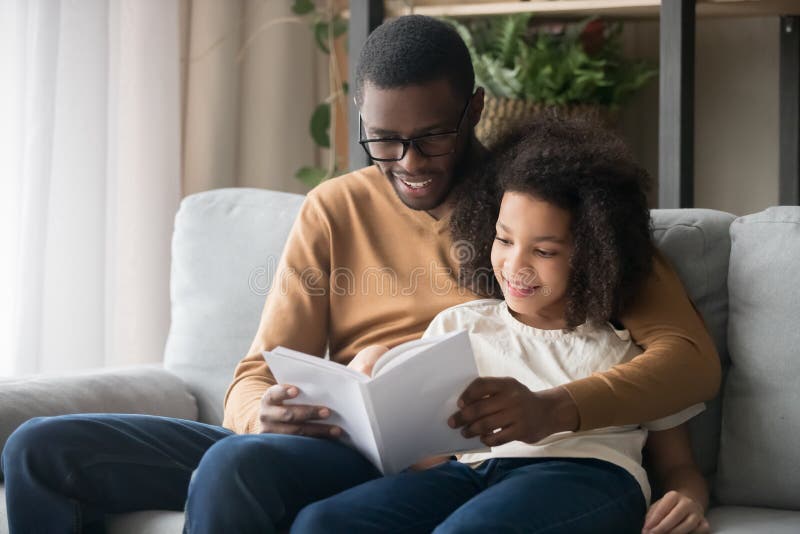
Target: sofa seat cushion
[[148, 522], [3, 515], [748, 520]]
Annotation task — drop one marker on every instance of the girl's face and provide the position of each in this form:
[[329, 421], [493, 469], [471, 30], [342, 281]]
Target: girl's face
[[530, 259]]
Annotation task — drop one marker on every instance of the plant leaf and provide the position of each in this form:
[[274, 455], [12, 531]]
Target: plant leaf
[[311, 176], [321, 35], [320, 124], [553, 69], [339, 26], [302, 7]]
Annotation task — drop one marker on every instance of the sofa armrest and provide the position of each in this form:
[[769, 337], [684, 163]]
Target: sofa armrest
[[143, 390]]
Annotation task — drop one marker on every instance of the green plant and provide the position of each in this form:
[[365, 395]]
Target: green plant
[[583, 64], [327, 25]]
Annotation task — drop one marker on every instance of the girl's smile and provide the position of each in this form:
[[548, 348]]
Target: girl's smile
[[530, 258]]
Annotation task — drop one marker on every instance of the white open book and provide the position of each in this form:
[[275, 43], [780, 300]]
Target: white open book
[[399, 415]]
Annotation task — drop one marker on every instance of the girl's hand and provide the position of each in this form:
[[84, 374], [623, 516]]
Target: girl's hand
[[676, 513], [365, 360], [491, 403]]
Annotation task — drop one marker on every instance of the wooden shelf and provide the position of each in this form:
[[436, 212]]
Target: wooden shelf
[[676, 77], [584, 8]]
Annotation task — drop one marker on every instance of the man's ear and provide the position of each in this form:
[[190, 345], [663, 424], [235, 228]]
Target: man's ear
[[476, 106]]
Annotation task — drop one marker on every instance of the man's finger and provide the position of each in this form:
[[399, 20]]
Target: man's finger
[[295, 413], [314, 430], [278, 393], [480, 388]]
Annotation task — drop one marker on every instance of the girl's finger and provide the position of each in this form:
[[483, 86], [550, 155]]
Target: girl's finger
[[673, 519], [488, 424], [498, 438], [704, 528], [481, 387], [660, 510], [475, 411], [688, 525]]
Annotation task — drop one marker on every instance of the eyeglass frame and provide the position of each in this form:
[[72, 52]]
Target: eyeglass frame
[[412, 140]]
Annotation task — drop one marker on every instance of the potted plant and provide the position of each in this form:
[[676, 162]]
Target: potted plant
[[572, 69]]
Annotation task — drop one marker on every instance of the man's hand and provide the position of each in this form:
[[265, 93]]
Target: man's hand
[[491, 403], [675, 513], [279, 418]]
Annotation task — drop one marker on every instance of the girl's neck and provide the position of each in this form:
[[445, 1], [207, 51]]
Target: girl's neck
[[544, 320]]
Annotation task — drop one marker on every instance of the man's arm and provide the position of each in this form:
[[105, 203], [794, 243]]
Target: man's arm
[[295, 315], [679, 366]]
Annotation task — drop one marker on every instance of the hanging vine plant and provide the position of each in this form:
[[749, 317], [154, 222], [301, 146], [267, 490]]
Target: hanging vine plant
[[327, 25]]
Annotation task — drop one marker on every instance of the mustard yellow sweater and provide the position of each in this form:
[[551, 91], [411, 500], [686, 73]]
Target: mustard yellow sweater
[[361, 268]]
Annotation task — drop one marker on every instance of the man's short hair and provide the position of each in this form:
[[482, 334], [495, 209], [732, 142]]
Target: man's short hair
[[414, 50]]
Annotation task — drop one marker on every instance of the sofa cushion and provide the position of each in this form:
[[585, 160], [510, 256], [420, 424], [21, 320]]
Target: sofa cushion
[[697, 244], [748, 520], [149, 522], [3, 515], [225, 249], [141, 389], [759, 459]]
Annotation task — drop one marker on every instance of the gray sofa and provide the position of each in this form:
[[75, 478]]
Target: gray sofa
[[742, 273]]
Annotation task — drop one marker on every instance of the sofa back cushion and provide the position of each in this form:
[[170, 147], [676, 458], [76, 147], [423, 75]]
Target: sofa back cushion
[[697, 244], [225, 249], [227, 243], [759, 462]]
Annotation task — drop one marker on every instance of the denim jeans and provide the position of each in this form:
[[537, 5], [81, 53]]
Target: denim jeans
[[542, 495], [63, 474]]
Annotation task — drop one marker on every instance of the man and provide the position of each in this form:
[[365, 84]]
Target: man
[[369, 261]]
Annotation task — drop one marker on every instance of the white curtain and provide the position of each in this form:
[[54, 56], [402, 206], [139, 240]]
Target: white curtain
[[252, 78], [90, 181]]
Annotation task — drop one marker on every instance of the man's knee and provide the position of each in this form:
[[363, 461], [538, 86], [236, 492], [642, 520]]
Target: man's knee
[[323, 516], [238, 457], [32, 441]]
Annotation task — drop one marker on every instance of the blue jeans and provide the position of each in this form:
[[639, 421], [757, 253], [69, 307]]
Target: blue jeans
[[542, 495], [63, 474]]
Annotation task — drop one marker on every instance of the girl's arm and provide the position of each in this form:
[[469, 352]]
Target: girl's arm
[[682, 508]]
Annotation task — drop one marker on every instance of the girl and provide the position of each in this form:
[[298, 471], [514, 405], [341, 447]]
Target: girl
[[560, 236]]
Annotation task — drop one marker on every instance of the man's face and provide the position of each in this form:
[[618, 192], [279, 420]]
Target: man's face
[[421, 182]]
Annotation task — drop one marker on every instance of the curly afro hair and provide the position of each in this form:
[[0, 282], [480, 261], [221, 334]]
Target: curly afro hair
[[580, 167], [414, 50]]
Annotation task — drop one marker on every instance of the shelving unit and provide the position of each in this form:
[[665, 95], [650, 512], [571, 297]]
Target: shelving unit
[[676, 76]]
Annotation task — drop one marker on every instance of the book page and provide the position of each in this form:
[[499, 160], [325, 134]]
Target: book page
[[412, 403], [399, 354], [324, 383]]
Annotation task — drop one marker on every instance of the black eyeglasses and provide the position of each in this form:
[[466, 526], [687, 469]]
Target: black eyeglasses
[[394, 149]]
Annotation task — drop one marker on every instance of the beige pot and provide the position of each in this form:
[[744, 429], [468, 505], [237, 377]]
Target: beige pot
[[500, 113]]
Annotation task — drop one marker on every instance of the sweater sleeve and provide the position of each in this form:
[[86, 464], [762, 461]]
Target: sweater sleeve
[[295, 315], [678, 368]]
